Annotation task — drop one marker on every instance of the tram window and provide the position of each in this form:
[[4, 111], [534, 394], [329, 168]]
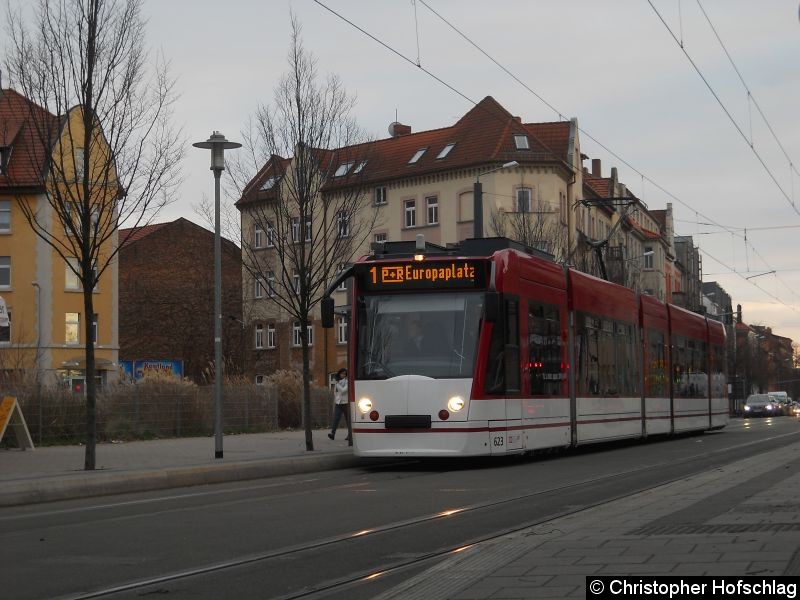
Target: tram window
[[544, 347], [655, 373], [690, 368], [606, 357], [718, 379], [503, 366]]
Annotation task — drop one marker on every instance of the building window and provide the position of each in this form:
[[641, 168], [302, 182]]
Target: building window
[[5, 216], [270, 234], [296, 281], [417, 155], [296, 341], [524, 200], [380, 238], [380, 194], [341, 330], [72, 323], [79, 166], [648, 257], [445, 151], [258, 288], [343, 169], [342, 286], [343, 224], [271, 284], [5, 332], [260, 379], [95, 332], [432, 206], [410, 213], [270, 335], [295, 229], [521, 141], [71, 280], [5, 271], [258, 236], [269, 184], [259, 331]]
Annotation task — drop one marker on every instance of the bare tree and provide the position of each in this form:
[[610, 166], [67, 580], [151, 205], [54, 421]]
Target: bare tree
[[103, 119], [311, 208], [538, 228]]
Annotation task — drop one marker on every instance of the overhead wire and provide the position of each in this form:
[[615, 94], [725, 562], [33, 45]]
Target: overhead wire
[[449, 86]]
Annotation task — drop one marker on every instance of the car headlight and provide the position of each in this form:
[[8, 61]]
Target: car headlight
[[769, 407], [455, 404], [365, 405], [746, 407]]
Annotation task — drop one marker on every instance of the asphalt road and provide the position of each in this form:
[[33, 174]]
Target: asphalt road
[[323, 535]]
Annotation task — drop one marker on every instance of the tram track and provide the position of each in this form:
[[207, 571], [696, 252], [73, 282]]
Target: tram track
[[386, 566]]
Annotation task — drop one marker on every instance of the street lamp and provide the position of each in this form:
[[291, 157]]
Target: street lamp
[[217, 144], [477, 197]]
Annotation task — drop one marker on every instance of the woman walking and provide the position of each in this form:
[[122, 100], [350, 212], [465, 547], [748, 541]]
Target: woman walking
[[340, 403]]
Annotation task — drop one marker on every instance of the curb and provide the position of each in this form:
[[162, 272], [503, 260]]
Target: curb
[[88, 484]]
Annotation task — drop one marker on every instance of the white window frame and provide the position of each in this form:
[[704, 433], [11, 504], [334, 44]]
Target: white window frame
[[72, 324], [296, 341], [270, 235], [271, 283], [342, 286], [259, 336], [341, 330], [521, 141], [258, 287], [258, 236], [5, 216], [296, 281], [445, 151], [523, 204], [432, 209], [271, 335], [417, 155], [295, 230], [5, 272], [95, 329], [343, 224], [380, 195], [380, 237], [649, 259], [410, 213], [5, 332], [71, 281]]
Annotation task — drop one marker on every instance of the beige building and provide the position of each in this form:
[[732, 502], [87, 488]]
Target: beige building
[[44, 340], [532, 186]]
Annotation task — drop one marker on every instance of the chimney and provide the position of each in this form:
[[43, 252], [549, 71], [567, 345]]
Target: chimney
[[738, 313], [596, 167], [398, 129]]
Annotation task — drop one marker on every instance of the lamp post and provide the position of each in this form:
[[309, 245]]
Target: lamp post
[[477, 197], [38, 353], [217, 144]]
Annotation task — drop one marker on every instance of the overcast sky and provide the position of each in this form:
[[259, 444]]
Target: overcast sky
[[613, 64]]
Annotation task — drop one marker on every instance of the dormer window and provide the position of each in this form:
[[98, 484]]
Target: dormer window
[[445, 151], [417, 155], [269, 184], [521, 141], [343, 169]]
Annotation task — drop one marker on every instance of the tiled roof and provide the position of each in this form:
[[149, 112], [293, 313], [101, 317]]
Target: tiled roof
[[134, 234], [485, 134], [599, 185], [18, 131], [648, 233]]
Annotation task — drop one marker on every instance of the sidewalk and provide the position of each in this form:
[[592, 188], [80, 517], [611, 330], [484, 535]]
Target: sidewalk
[[739, 520], [56, 472]]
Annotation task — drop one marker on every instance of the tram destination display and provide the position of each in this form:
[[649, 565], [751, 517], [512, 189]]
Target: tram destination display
[[426, 275]]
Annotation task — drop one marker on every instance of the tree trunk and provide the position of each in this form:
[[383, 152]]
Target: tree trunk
[[90, 385], [307, 417]]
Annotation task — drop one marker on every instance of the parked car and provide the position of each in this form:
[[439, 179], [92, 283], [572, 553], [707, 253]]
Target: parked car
[[780, 401], [759, 405]]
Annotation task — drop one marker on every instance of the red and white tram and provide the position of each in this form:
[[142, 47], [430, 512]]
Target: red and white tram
[[485, 349]]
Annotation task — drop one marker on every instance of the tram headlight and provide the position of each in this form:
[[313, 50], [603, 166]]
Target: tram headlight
[[455, 404], [365, 405]]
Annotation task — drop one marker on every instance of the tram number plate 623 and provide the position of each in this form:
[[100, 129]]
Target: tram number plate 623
[[498, 441]]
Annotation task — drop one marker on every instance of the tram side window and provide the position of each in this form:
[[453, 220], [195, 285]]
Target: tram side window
[[502, 370], [606, 357], [655, 374], [690, 368], [719, 383], [544, 346]]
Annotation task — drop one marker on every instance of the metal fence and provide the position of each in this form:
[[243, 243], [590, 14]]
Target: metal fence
[[128, 412]]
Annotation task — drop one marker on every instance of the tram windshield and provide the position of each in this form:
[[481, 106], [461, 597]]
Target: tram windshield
[[434, 335]]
